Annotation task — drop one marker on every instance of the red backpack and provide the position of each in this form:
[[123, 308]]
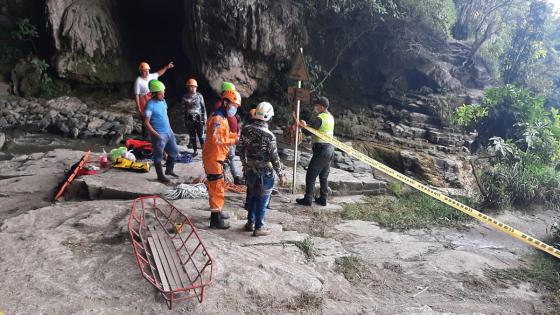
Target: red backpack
[[140, 148]]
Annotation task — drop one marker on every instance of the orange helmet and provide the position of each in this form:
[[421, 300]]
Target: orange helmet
[[143, 66], [192, 82], [232, 97]]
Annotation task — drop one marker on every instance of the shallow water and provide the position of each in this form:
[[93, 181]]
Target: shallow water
[[23, 143]]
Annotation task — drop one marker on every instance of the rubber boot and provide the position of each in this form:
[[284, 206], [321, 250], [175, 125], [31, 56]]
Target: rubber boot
[[249, 227], [169, 168], [321, 201], [216, 221], [223, 215], [303, 201], [159, 171]]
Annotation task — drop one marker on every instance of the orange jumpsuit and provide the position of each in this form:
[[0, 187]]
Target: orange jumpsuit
[[214, 153]]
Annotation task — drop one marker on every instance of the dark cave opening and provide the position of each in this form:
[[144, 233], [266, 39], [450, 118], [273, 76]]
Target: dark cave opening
[[154, 33]]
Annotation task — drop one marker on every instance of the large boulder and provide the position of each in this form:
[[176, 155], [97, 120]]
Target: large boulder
[[88, 41], [438, 74], [242, 40], [26, 79]]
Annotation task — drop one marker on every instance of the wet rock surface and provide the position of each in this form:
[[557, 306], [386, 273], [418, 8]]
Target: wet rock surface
[[76, 256], [410, 141], [67, 116]]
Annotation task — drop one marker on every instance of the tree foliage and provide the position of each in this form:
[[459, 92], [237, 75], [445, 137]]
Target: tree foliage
[[437, 15], [483, 20], [524, 138], [468, 115], [526, 45], [517, 115], [340, 26]]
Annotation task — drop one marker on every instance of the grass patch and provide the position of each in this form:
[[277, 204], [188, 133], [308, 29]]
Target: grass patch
[[317, 223], [306, 246], [304, 302], [352, 267], [543, 272], [410, 211]]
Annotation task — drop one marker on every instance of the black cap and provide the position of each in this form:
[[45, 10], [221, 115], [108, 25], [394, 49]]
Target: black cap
[[323, 101]]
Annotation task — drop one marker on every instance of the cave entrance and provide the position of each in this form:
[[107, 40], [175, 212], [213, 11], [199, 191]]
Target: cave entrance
[[418, 80], [153, 32]]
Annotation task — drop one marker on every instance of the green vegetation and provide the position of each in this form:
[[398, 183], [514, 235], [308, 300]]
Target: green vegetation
[[411, 211], [306, 247], [517, 39], [522, 169], [396, 188], [521, 182], [352, 267], [307, 302], [468, 115], [526, 46], [437, 15], [543, 272], [26, 32], [21, 47]]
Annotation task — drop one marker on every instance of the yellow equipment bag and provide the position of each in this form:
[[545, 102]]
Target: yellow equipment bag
[[126, 164]]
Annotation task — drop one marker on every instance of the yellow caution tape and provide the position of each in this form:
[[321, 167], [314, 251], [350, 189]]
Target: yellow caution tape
[[437, 195]]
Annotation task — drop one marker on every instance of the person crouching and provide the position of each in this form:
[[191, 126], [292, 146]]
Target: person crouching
[[163, 138], [259, 156]]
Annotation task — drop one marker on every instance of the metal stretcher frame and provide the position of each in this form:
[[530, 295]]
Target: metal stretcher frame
[[176, 263]]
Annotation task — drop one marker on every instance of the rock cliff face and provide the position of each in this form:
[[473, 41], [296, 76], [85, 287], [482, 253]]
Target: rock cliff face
[[242, 41], [88, 41], [393, 86]]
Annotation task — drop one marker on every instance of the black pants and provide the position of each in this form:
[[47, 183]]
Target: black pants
[[145, 132], [320, 165], [195, 128]]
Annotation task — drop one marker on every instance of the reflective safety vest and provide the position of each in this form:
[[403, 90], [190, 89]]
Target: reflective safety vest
[[327, 126]]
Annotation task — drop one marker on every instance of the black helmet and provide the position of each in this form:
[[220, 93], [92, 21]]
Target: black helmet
[[323, 101]]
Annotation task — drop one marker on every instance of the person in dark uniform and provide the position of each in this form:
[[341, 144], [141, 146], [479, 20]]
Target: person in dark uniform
[[322, 154], [195, 114]]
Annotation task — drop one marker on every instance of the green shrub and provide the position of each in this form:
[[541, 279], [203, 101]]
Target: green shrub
[[396, 188], [519, 183], [438, 15], [306, 246], [468, 115]]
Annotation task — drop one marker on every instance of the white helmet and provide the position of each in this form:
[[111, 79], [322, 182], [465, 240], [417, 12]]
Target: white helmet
[[264, 111]]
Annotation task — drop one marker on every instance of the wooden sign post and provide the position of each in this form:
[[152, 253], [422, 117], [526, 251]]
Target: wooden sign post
[[297, 72]]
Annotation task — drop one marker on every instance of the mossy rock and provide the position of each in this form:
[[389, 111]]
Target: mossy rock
[[94, 70]]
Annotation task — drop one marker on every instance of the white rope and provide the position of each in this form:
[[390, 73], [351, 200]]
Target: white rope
[[187, 191]]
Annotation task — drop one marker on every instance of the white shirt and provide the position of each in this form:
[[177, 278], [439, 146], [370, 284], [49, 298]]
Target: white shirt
[[141, 84]]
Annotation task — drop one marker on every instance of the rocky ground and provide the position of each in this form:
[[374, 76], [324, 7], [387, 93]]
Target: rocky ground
[[75, 256]]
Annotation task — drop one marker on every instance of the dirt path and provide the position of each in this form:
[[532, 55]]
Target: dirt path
[[76, 258]]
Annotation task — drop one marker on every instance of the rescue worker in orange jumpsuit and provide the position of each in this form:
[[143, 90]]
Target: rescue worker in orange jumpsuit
[[215, 152]]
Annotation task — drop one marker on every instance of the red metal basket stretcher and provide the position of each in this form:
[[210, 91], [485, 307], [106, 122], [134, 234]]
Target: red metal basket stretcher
[[168, 250]]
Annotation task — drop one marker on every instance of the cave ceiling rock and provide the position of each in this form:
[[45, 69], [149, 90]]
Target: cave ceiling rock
[[88, 41], [242, 41]]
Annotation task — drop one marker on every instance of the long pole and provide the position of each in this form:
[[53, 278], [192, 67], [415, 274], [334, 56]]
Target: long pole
[[296, 137]]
